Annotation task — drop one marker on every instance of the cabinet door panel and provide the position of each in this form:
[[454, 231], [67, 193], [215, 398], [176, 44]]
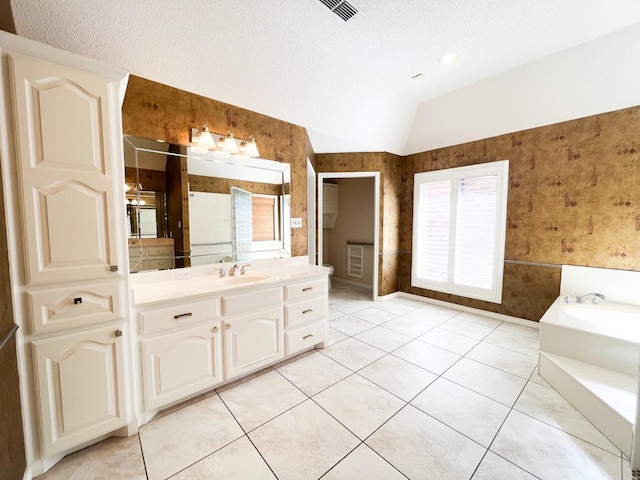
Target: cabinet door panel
[[66, 150], [80, 385], [179, 364], [252, 341]]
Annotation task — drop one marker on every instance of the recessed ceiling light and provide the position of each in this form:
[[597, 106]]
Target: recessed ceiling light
[[417, 76], [448, 58]]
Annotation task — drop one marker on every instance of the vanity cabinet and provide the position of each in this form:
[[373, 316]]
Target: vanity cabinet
[[151, 254], [79, 381], [189, 345], [63, 177]]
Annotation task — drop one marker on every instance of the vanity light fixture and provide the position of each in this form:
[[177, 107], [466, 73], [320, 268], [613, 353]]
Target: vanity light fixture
[[229, 145], [250, 147], [203, 139]]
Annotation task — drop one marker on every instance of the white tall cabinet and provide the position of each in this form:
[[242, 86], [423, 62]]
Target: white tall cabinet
[[63, 178]]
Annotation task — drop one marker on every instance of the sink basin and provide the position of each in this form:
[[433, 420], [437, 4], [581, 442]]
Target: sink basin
[[236, 279]]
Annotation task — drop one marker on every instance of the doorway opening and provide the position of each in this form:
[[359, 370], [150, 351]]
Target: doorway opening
[[348, 226]]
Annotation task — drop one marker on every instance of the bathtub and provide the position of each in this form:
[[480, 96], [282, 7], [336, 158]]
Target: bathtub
[[590, 353], [605, 318]]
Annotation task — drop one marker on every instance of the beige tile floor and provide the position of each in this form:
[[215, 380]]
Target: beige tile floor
[[405, 390]]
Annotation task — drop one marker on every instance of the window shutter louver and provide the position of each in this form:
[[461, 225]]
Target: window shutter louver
[[475, 231]]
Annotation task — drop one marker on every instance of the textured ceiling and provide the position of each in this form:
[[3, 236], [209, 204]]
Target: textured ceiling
[[349, 83]]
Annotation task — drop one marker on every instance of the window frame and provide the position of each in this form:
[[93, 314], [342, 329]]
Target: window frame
[[499, 168]]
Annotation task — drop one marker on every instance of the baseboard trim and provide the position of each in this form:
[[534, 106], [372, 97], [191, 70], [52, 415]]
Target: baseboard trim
[[477, 311]]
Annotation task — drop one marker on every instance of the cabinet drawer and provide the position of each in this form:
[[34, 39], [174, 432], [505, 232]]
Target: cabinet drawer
[[159, 251], [160, 263], [300, 290], [58, 309], [138, 266], [246, 302], [135, 254], [178, 316], [305, 311], [304, 337]]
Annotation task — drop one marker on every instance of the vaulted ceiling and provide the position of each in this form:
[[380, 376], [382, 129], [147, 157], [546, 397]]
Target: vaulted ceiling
[[348, 82]]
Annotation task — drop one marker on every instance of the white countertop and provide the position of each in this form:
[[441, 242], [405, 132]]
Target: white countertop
[[158, 289]]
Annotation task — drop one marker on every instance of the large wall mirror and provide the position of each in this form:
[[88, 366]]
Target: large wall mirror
[[188, 208]]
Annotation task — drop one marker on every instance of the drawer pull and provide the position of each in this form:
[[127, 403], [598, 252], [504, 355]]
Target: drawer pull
[[307, 289], [308, 310], [182, 315], [307, 336], [215, 329], [77, 300], [118, 333], [113, 268]]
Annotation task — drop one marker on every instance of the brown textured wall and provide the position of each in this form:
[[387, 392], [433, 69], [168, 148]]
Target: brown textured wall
[[12, 458], [389, 166], [156, 111], [151, 180], [199, 183], [574, 198], [12, 455]]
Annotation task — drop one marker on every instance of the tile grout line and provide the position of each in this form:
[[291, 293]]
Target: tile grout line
[[144, 462], [246, 434], [502, 425]]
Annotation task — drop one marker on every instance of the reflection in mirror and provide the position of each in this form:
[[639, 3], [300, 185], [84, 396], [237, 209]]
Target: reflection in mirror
[[186, 208]]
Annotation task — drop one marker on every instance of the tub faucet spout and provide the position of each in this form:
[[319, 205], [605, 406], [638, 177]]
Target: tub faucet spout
[[595, 297]]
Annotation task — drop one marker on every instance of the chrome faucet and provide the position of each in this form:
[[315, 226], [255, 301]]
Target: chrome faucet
[[244, 268], [595, 297], [232, 270], [220, 271]]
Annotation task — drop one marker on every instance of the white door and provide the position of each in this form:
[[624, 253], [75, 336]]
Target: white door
[[252, 341], [65, 148], [80, 387], [177, 365]]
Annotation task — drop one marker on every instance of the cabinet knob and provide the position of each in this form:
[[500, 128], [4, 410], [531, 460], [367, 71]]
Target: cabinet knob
[[215, 329], [118, 333], [114, 268], [227, 326]]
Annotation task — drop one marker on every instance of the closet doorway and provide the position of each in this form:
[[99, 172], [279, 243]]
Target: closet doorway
[[348, 226]]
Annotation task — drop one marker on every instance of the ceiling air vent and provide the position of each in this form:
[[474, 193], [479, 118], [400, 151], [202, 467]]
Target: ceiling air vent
[[345, 10]]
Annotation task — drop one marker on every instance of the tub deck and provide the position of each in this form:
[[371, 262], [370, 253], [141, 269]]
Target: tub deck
[[594, 364]]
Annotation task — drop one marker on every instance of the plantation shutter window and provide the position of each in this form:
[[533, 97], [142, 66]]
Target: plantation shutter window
[[459, 230]]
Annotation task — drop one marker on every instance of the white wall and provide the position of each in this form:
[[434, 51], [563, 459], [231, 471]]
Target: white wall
[[595, 77]]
